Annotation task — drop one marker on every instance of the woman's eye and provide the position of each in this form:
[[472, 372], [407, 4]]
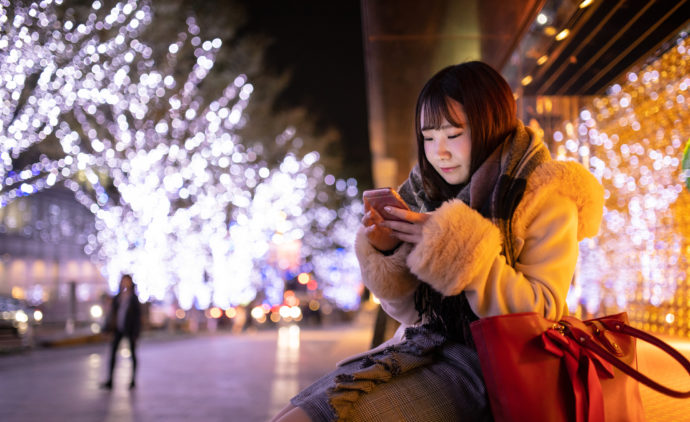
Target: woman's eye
[[428, 139], [455, 135]]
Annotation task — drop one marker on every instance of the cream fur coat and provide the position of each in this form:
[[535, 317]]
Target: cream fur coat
[[460, 250]]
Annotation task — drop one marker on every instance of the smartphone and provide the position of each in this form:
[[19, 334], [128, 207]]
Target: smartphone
[[380, 198]]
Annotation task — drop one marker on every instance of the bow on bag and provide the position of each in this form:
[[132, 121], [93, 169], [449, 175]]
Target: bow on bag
[[585, 368], [523, 357]]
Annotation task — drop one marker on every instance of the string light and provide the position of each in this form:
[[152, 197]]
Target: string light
[[632, 139], [562, 35], [180, 201]]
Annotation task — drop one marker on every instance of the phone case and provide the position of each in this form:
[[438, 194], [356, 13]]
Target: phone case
[[379, 198]]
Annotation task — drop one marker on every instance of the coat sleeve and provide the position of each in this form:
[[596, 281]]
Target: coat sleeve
[[110, 321], [388, 278], [460, 250], [136, 315]]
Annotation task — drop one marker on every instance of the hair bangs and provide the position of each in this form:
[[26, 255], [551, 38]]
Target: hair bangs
[[435, 109]]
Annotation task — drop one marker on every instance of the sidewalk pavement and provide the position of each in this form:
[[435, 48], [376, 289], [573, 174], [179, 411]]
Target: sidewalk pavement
[[661, 368], [221, 376], [211, 377]]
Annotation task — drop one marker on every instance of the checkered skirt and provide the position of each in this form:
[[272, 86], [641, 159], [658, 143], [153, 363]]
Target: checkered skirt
[[440, 383]]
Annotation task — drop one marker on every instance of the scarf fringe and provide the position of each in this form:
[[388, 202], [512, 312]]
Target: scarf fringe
[[418, 349]]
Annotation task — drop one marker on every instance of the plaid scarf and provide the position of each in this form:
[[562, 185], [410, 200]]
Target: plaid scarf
[[494, 190]]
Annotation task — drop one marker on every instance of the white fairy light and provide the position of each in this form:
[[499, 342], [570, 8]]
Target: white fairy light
[[194, 213], [640, 256]]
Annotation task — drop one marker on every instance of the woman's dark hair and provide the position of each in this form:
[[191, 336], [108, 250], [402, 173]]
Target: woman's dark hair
[[126, 276], [491, 115]]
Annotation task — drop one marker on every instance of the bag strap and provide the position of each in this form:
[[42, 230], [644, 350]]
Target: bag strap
[[586, 340]]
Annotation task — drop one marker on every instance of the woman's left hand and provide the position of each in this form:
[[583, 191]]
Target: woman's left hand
[[409, 230]]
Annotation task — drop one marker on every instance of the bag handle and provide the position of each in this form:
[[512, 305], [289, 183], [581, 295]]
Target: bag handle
[[586, 340]]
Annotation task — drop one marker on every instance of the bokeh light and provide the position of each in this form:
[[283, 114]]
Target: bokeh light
[[181, 201], [633, 141]]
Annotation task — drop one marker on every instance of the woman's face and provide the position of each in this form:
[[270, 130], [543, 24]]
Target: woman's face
[[448, 148]]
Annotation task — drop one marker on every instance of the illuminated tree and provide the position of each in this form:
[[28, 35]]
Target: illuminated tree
[[182, 198], [632, 139]]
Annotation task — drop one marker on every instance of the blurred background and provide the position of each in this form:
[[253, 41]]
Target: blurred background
[[217, 152]]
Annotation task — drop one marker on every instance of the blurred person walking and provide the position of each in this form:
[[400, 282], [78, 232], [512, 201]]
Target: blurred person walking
[[124, 320]]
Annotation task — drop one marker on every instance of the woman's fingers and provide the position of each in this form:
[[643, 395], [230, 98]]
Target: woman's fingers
[[401, 213], [366, 220], [409, 230], [406, 232], [407, 238], [381, 237], [407, 215], [371, 217], [383, 233], [402, 227]]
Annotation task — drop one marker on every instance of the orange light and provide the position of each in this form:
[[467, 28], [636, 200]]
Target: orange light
[[542, 60], [18, 293], [562, 35], [179, 313], [312, 285], [215, 312], [303, 278], [526, 80], [231, 312], [550, 31]]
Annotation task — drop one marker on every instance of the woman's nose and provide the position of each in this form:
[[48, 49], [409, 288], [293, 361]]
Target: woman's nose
[[441, 149]]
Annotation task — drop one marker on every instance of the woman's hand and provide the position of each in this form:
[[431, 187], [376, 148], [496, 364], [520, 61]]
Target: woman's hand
[[379, 236], [409, 230]]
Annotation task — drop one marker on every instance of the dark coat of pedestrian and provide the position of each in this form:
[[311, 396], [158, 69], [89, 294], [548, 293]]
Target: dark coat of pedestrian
[[124, 320]]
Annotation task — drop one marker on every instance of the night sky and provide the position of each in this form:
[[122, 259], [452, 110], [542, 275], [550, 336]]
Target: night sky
[[321, 42]]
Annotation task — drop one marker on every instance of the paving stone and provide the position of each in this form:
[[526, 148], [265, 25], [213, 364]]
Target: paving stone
[[221, 377]]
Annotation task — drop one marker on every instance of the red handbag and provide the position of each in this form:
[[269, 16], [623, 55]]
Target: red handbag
[[571, 370]]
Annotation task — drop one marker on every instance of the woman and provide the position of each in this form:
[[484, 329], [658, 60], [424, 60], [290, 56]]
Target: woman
[[124, 320], [493, 229]]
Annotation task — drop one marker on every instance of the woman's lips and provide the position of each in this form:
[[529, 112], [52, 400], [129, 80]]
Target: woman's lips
[[448, 169]]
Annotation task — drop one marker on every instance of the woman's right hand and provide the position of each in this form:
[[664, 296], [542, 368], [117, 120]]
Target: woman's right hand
[[379, 237]]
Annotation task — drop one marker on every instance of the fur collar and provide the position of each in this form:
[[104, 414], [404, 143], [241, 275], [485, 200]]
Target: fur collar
[[571, 180]]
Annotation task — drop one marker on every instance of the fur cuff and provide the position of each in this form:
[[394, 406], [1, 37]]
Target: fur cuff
[[456, 242], [386, 276]]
